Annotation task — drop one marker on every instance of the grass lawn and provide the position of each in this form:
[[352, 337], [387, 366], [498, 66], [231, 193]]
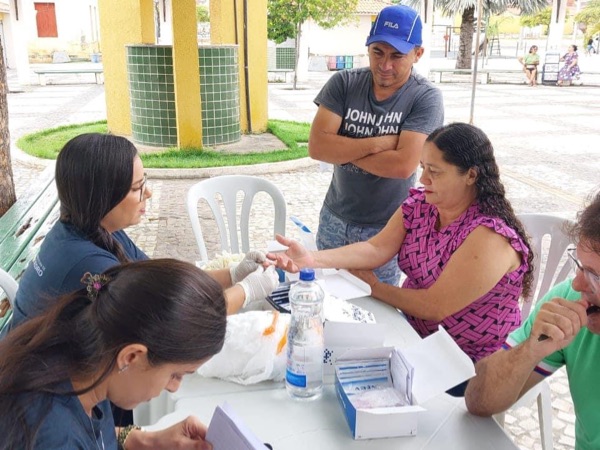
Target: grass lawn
[[47, 143]]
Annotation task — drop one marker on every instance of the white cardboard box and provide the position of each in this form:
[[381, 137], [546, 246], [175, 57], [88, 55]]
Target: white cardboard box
[[438, 363], [341, 337]]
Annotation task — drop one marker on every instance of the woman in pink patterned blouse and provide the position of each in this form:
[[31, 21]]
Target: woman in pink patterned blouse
[[465, 254]]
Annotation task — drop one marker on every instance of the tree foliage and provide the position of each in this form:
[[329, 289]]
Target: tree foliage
[[590, 16], [542, 17], [285, 17], [467, 10], [202, 14], [452, 7]]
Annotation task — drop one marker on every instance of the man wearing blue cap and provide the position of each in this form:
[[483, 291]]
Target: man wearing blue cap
[[371, 124]]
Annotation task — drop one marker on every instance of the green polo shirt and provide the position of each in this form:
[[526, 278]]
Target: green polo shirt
[[582, 360]]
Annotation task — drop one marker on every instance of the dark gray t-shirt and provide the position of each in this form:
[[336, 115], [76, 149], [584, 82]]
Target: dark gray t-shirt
[[355, 195]]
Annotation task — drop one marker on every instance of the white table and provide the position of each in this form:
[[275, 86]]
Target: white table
[[399, 333], [320, 424]]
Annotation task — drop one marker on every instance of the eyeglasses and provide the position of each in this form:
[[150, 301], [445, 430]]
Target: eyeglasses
[[143, 187], [592, 279]]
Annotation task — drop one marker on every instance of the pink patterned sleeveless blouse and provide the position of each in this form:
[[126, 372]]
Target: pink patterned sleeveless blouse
[[482, 327]]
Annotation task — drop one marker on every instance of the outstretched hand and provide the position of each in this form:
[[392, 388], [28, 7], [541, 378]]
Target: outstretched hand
[[295, 257]]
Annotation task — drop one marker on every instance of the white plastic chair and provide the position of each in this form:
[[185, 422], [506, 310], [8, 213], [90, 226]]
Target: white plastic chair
[[550, 267], [9, 286], [227, 187], [551, 259]]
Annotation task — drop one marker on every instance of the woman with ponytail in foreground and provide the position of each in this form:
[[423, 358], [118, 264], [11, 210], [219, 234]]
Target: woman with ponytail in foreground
[[133, 331]]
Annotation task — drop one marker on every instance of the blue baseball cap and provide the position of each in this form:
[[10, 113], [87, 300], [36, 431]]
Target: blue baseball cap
[[398, 26]]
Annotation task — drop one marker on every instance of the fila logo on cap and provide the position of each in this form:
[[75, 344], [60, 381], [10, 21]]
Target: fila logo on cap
[[391, 25]]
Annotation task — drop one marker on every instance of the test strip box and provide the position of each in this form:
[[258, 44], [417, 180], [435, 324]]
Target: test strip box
[[434, 355]]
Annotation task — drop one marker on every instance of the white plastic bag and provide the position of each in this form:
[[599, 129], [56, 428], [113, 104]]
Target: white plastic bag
[[254, 350]]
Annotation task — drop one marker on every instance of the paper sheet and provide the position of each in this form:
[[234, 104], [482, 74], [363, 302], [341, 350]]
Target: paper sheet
[[227, 432]]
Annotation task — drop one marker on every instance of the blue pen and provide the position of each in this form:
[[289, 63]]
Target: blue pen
[[299, 224], [306, 236]]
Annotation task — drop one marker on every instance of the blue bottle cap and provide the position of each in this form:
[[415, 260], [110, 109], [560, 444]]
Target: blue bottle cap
[[307, 274]]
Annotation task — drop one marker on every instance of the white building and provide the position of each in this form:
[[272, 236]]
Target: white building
[[41, 30], [66, 26]]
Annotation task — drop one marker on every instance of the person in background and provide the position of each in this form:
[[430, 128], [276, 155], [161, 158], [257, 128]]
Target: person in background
[[465, 254], [570, 70], [102, 190], [589, 49], [371, 124], [562, 330], [135, 330], [530, 65]]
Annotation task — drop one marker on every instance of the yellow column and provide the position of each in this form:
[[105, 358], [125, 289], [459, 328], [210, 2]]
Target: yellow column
[[223, 20], [257, 64], [186, 74], [121, 23]]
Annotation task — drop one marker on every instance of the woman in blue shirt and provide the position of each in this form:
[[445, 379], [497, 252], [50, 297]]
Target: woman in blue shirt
[[133, 331], [102, 190]]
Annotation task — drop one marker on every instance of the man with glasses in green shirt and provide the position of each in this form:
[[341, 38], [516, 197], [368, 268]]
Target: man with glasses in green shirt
[[563, 330]]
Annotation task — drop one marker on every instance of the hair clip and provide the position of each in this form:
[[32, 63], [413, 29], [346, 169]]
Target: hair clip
[[94, 283]]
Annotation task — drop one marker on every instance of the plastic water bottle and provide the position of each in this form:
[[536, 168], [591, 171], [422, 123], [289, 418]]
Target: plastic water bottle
[[304, 373]]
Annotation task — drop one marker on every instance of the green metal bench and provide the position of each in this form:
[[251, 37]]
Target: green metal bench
[[22, 229]]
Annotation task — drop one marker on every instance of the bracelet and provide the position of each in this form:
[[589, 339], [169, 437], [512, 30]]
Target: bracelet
[[124, 434]]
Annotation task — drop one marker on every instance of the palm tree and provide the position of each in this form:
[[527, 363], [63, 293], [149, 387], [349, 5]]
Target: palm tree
[[467, 8], [590, 18]]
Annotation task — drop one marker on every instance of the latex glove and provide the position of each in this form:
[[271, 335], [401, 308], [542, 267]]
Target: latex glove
[[259, 284], [252, 260]]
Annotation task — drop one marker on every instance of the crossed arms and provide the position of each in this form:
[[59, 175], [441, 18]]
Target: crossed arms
[[390, 156]]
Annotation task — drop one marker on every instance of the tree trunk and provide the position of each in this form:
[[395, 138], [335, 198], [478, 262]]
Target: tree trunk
[[297, 54], [7, 185], [465, 45]]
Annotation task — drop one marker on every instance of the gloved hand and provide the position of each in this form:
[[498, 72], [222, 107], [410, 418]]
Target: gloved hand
[[252, 260], [259, 284]]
